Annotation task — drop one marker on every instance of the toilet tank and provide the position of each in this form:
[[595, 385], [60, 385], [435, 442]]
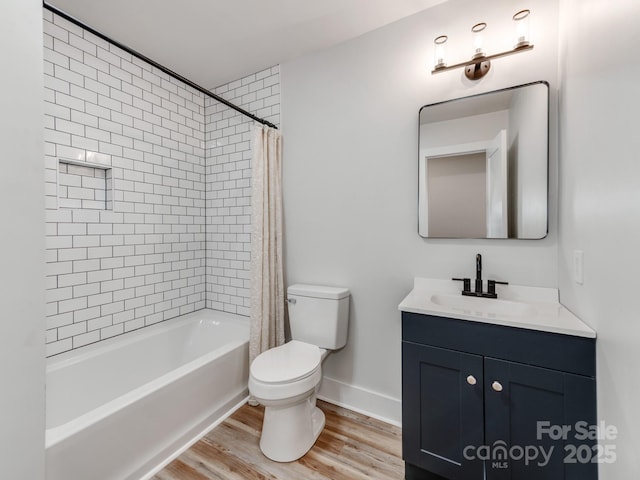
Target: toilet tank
[[319, 315]]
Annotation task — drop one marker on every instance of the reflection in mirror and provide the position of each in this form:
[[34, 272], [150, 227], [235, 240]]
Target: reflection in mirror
[[483, 165]]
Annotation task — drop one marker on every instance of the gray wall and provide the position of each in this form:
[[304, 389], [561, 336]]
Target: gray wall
[[350, 117], [457, 189], [22, 253]]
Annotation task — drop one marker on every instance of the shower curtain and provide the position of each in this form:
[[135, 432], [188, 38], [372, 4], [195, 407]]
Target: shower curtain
[[267, 284]]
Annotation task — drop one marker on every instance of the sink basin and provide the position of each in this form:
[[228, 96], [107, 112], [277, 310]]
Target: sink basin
[[483, 306]]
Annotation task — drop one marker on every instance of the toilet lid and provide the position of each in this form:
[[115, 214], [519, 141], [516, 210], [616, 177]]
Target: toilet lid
[[286, 363]]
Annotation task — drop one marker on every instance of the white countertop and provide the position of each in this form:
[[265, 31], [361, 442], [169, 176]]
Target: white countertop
[[533, 308]]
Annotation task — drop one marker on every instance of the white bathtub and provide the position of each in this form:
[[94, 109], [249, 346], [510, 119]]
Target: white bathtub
[[118, 409]]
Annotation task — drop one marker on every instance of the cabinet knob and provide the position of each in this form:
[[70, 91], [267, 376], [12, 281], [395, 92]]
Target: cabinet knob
[[497, 386], [471, 380]]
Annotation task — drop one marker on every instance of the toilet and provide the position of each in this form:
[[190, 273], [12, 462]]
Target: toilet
[[285, 379]]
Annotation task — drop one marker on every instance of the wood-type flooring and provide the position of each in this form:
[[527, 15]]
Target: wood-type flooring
[[351, 447]]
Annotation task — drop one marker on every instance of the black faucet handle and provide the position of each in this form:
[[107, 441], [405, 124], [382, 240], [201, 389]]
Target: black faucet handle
[[491, 285], [466, 283], [479, 274]]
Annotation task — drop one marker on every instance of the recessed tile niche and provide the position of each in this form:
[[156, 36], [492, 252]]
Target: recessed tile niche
[[83, 185]]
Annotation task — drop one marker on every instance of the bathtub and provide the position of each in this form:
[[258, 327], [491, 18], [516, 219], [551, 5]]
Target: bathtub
[[122, 408]]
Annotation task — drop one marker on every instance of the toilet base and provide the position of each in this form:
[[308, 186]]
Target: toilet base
[[289, 431]]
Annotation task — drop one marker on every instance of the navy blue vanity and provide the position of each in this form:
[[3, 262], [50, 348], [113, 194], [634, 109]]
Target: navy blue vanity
[[499, 391]]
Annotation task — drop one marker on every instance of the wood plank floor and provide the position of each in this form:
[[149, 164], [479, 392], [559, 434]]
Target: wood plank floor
[[351, 447]]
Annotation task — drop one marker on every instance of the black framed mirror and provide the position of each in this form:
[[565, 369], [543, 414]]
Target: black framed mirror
[[483, 165]]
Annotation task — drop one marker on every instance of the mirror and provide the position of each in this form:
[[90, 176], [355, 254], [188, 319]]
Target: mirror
[[483, 165]]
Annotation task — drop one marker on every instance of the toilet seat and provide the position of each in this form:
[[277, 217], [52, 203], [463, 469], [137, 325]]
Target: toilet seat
[[288, 363]]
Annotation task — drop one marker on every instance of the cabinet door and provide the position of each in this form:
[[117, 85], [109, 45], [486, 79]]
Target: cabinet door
[[517, 398], [442, 410]]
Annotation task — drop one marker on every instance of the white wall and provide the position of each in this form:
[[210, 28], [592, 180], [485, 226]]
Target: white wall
[[471, 129], [526, 148], [350, 117], [22, 252], [600, 203]]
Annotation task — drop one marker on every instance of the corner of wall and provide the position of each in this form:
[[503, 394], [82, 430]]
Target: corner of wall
[[22, 363]]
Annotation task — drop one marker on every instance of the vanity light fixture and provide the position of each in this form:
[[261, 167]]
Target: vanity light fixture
[[480, 63]]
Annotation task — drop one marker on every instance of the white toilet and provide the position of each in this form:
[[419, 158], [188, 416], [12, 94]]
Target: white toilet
[[284, 379]]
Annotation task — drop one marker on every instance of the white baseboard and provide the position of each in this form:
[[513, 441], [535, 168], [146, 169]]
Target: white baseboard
[[361, 400]]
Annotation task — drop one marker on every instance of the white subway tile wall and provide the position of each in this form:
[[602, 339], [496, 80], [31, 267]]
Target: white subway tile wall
[[228, 185], [175, 236], [112, 271]]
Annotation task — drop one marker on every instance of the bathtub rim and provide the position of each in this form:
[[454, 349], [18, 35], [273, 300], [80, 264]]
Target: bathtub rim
[[59, 433], [71, 357]]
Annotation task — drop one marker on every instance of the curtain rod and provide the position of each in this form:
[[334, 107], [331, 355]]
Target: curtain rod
[[155, 64]]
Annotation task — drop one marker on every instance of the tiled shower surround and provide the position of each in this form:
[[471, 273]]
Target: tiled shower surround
[[143, 257], [228, 188]]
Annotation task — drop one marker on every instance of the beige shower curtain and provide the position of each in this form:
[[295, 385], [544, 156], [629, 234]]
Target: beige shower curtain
[[267, 284]]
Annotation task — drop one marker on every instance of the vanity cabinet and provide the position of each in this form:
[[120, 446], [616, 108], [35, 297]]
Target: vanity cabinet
[[474, 394]]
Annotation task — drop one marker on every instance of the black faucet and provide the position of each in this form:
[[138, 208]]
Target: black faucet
[[491, 284], [478, 274]]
